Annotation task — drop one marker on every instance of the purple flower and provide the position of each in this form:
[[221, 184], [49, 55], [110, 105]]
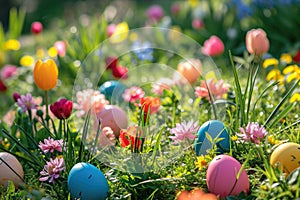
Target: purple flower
[[26, 102], [253, 132], [183, 131], [155, 13], [50, 145], [52, 169]]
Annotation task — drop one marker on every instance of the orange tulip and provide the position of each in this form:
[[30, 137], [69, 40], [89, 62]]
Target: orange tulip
[[257, 41], [45, 74]]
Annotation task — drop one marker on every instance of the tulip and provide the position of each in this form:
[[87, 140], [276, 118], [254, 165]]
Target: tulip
[[3, 87], [257, 41], [111, 62], [213, 46], [120, 72], [197, 24], [190, 70], [36, 27], [60, 47], [111, 29], [62, 109], [45, 74]]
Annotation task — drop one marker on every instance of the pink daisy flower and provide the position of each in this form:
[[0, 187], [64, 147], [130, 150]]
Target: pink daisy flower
[[253, 132], [52, 169], [50, 145]]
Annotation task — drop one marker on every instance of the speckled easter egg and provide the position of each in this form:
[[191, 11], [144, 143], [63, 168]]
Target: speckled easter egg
[[190, 70], [113, 117], [10, 169], [215, 129], [87, 182], [221, 177], [112, 91], [286, 156]]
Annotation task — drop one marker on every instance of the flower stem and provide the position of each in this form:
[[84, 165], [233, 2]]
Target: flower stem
[[47, 111]]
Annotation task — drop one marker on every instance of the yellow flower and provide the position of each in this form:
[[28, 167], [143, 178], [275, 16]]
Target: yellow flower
[[120, 33], [275, 75], [295, 97], [26, 61], [52, 52], [286, 58], [193, 3], [291, 69], [202, 161], [40, 53], [12, 44], [270, 62], [234, 138], [45, 74]]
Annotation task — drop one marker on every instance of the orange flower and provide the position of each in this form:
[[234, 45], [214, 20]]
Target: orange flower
[[152, 103], [45, 74]]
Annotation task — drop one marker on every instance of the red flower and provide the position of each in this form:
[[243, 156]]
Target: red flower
[[120, 72], [296, 58], [131, 136], [62, 109], [152, 103], [111, 62], [3, 87]]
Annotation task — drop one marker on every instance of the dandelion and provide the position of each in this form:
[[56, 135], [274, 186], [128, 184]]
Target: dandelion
[[52, 169], [133, 94], [50, 145], [253, 132], [12, 44], [26, 103], [216, 88], [234, 138], [286, 58], [272, 140], [293, 72], [275, 75], [202, 161], [184, 131]]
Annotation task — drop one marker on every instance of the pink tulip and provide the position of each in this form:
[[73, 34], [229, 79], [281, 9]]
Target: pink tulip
[[60, 48], [197, 24], [111, 29], [257, 41], [213, 46], [36, 27], [155, 13]]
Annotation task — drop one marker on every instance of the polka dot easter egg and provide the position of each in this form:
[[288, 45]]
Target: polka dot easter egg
[[217, 131], [86, 182]]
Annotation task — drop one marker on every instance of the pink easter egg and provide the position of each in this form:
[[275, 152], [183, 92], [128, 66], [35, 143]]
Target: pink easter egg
[[221, 177], [113, 117]]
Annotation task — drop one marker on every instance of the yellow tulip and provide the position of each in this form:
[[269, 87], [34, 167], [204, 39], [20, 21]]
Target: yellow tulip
[[45, 74]]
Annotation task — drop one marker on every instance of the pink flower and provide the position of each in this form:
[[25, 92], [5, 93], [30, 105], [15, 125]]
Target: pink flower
[[213, 46], [25, 102], [253, 132], [36, 27], [89, 99], [111, 62], [257, 41], [111, 29], [197, 24], [60, 47], [175, 9], [216, 88], [133, 94], [62, 109], [16, 96], [155, 13], [52, 169], [163, 84], [184, 131], [50, 145], [8, 71], [107, 137]]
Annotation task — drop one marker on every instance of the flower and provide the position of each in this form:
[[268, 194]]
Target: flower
[[111, 62], [175, 9], [52, 52], [3, 87], [11, 44], [155, 13], [26, 61], [8, 71], [197, 24], [216, 88], [161, 85], [202, 161], [60, 47], [257, 41], [107, 137], [184, 131], [111, 29], [120, 33], [26, 102], [52, 169], [270, 62], [152, 103], [295, 97], [36, 27], [286, 58], [50, 145], [120, 72], [253, 132], [45, 74], [293, 71], [133, 94], [16, 96], [132, 135], [62, 109], [296, 57], [275, 75], [89, 99], [143, 50], [190, 70], [213, 46]]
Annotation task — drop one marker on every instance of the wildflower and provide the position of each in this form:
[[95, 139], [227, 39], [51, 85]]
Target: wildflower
[[120, 72], [152, 103], [40, 53], [52, 52], [184, 131], [89, 99], [52, 169], [202, 161], [45, 74], [253, 132], [295, 97], [234, 138], [293, 71], [16, 96], [213, 46], [286, 58], [155, 13], [50, 145], [132, 135], [270, 62], [120, 33], [272, 140], [36, 27], [133, 94], [197, 24], [11, 44], [257, 42], [3, 87], [26, 61], [216, 88], [275, 75], [62, 109], [190, 70], [142, 50], [26, 102], [60, 47], [8, 71], [111, 29], [107, 137]]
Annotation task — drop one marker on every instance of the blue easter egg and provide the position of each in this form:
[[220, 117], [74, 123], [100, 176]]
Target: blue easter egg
[[87, 182], [112, 91], [216, 130]]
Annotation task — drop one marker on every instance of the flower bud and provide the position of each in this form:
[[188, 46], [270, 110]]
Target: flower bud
[[36, 27], [257, 42]]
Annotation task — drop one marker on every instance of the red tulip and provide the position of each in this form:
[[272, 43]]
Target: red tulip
[[296, 58], [120, 72], [213, 46], [3, 87], [62, 109], [111, 62], [257, 41], [36, 27]]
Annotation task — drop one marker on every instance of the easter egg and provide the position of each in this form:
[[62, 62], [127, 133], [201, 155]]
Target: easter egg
[[10, 169], [221, 177], [112, 91], [216, 130], [87, 182], [190, 70], [195, 194], [113, 117], [286, 156]]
